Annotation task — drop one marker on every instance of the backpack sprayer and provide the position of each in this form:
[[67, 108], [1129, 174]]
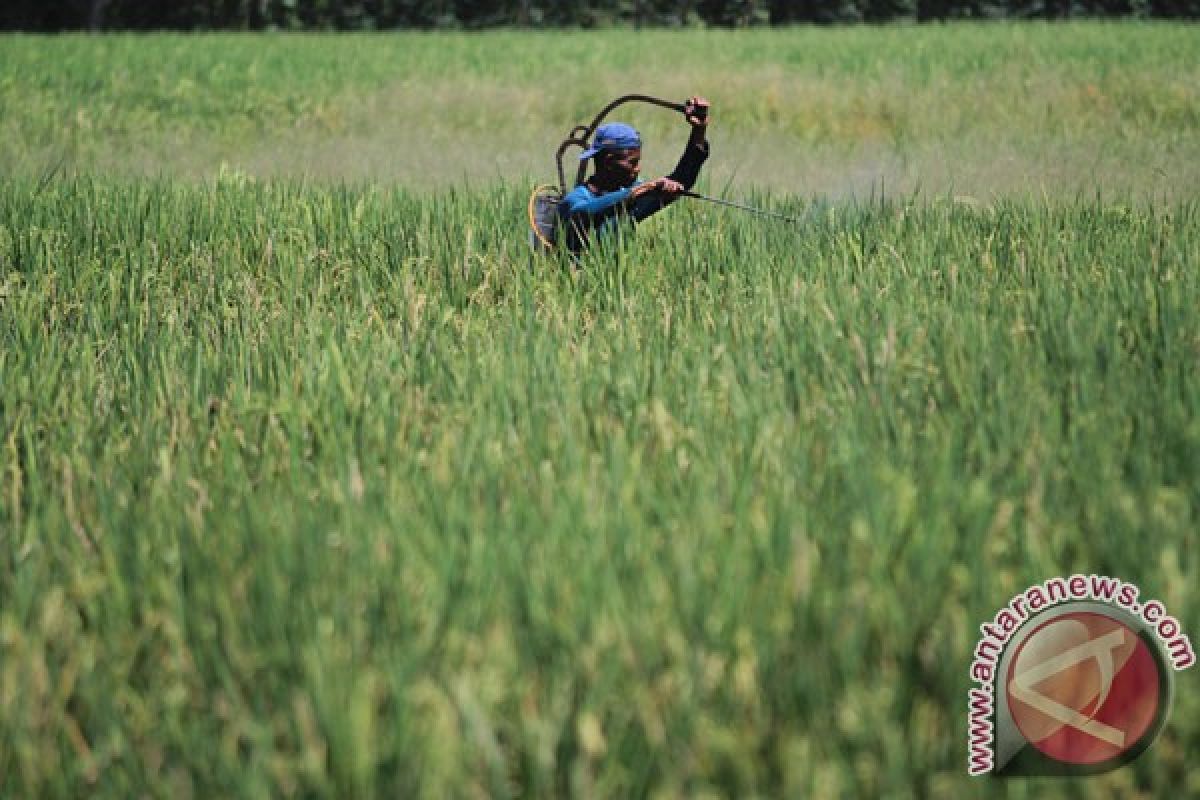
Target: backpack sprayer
[[543, 203]]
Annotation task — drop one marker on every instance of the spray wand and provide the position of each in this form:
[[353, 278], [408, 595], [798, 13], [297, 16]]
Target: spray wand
[[727, 203]]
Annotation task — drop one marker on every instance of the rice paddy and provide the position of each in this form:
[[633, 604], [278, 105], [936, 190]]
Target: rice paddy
[[315, 482]]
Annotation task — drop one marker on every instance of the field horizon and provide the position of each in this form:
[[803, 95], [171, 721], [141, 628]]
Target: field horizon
[[983, 110]]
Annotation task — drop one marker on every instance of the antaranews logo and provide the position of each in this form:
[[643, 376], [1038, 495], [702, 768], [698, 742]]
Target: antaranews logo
[[1074, 678]]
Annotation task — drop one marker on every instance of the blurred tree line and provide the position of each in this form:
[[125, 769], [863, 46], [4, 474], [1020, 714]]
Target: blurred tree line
[[62, 15]]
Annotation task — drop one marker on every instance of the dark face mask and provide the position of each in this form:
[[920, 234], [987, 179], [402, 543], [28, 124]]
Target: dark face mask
[[621, 167]]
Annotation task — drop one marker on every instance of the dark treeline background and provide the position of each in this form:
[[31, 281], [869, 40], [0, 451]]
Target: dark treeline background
[[188, 15]]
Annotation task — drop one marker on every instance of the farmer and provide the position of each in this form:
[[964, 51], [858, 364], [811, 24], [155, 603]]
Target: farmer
[[613, 193]]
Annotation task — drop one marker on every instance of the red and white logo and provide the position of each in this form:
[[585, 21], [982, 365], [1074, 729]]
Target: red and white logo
[[1083, 688], [1073, 677]]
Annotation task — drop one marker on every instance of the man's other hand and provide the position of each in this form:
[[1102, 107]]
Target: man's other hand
[[695, 111], [668, 187]]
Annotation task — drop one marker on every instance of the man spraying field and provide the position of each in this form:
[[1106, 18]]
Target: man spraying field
[[614, 194]]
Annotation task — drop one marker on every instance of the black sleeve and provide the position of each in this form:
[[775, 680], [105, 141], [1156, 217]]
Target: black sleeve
[[688, 168], [685, 172]]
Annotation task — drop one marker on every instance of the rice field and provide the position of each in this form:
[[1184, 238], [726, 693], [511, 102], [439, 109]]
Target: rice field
[[315, 482]]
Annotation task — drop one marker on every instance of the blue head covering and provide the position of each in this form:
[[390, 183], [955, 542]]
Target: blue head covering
[[612, 136]]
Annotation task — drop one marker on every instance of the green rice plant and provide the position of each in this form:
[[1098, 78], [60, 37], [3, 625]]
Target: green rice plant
[[338, 491]]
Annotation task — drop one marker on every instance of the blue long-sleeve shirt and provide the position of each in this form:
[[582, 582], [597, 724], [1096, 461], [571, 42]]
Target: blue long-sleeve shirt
[[583, 212]]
